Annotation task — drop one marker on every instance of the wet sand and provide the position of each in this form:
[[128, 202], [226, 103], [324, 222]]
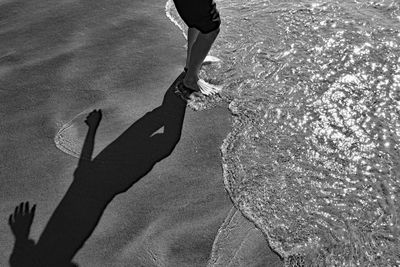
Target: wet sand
[[58, 61]]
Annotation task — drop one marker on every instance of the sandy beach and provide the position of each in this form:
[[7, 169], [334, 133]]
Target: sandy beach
[[59, 61]]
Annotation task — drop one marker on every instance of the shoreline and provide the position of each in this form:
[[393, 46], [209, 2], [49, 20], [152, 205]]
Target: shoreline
[[218, 255]]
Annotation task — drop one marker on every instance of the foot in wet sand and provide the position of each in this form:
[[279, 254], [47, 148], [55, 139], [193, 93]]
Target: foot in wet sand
[[207, 88], [199, 85], [191, 84], [188, 91]]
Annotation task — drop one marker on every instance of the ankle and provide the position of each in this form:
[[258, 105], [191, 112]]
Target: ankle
[[191, 73], [191, 78]]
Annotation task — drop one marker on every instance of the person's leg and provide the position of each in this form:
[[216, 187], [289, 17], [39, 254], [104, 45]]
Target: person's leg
[[198, 53], [192, 36]]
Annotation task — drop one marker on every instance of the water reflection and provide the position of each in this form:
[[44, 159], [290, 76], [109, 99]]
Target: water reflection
[[314, 157]]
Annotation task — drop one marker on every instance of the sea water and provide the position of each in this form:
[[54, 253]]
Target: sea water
[[314, 157]]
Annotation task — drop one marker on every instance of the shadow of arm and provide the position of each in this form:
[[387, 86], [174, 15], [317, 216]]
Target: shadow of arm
[[93, 121], [71, 224]]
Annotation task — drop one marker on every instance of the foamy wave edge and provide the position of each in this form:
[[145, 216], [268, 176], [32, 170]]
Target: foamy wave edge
[[64, 144], [169, 6]]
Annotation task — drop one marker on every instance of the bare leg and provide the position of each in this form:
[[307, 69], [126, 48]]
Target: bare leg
[[198, 53], [192, 36]]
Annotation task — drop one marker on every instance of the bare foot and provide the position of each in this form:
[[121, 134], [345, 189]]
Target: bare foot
[[191, 83], [207, 88], [21, 221], [200, 86]]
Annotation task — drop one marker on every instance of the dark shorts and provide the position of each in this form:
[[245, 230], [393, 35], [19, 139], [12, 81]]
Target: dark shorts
[[200, 14]]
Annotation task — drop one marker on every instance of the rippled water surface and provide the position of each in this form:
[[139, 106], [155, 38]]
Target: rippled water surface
[[314, 158]]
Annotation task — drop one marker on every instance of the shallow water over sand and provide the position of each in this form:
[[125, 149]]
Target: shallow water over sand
[[314, 158]]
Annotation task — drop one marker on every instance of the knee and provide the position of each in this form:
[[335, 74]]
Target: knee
[[213, 34], [217, 30]]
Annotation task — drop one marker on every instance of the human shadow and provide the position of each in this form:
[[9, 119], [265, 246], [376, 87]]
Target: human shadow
[[97, 181]]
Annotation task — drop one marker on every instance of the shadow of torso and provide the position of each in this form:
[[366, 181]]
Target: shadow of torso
[[113, 171]]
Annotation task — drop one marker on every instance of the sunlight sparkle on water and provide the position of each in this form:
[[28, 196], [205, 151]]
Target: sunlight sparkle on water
[[326, 113]]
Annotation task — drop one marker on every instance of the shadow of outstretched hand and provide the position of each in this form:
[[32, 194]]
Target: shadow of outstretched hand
[[21, 221], [94, 118]]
